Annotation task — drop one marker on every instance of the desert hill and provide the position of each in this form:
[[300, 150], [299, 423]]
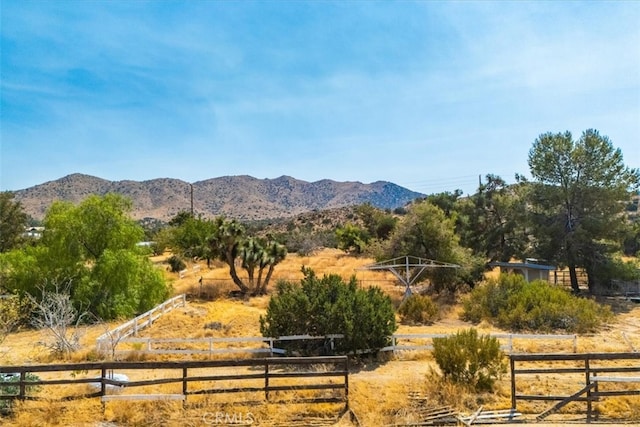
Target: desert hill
[[241, 197]]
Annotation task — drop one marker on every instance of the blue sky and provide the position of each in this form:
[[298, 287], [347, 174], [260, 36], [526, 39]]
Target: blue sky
[[426, 94]]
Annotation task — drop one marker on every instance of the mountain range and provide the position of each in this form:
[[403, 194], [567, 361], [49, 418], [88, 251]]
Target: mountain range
[[240, 197]]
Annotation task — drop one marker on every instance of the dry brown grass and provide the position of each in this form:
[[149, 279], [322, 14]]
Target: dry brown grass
[[325, 261], [379, 389]]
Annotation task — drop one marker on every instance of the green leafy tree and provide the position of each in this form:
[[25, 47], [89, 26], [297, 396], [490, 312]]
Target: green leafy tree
[[378, 224], [328, 305], [352, 238], [93, 247], [580, 190], [180, 218], [85, 231], [121, 284], [189, 236], [426, 232], [632, 240], [23, 271], [493, 221], [447, 201], [13, 221]]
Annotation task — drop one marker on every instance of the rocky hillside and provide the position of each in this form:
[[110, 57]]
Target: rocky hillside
[[240, 197]]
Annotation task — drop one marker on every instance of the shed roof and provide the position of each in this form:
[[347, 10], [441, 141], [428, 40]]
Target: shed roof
[[529, 265]]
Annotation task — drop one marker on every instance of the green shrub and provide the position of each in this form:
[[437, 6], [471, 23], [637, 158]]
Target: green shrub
[[176, 263], [328, 306], [470, 359], [352, 238], [13, 390], [418, 309], [614, 268], [486, 300], [512, 303]]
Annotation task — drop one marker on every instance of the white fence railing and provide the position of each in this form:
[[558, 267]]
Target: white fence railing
[[506, 341], [111, 338], [183, 273], [211, 345], [119, 337], [251, 345]]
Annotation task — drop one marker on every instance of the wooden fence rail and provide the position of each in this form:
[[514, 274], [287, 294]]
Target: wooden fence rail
[[277, 380], [587, 370]]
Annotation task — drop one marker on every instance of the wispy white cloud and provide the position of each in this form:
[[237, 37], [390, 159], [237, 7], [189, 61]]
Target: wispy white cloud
[[411, 92]]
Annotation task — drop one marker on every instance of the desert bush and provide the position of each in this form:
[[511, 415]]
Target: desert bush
[[176, 263], [328, 305], [469, 358], [212, 289], [9, 317], [305, 242], [14, 313], [55, 314], [352, 238], [418, 309], [512, 303]]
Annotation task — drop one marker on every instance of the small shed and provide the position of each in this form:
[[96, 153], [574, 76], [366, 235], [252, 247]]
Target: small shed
[[530, 269]]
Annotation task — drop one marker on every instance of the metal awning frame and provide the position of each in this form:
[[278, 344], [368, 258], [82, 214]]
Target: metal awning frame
[[407, 269]]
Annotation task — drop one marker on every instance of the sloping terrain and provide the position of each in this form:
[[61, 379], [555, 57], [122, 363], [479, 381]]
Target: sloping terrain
[[240, 197]]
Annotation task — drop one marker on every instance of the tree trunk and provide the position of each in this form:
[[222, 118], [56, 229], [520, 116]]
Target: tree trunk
[[234, 275], [260, 287], [591, 282], [571, 263], [574, 278], [250, 269], [267, 279]]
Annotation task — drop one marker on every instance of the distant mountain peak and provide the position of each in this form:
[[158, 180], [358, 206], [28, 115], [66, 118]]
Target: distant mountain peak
[[242, 197]]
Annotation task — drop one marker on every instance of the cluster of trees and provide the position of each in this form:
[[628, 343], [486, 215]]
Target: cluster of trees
[[227, 240], [90, 249], [573, 213]]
